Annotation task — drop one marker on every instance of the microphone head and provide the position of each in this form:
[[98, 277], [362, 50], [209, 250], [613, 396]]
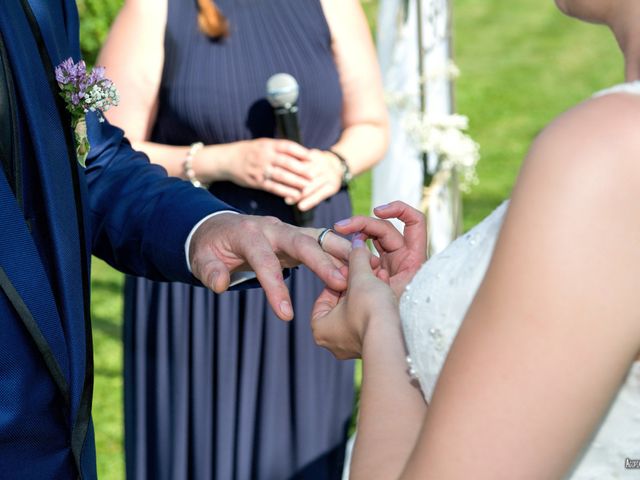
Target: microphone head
[[282, 90]]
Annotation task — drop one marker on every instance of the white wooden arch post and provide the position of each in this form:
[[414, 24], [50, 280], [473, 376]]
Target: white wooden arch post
[[427, 144]]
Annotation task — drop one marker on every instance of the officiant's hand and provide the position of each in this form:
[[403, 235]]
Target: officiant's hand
[[277, 166], [401, 256], [340, 320], [229, 243], [326, 171]]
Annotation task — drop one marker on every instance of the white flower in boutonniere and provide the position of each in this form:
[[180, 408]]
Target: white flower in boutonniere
[[84, 92]]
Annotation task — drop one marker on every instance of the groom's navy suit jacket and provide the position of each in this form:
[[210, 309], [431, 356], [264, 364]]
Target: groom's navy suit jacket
[[53, 215]]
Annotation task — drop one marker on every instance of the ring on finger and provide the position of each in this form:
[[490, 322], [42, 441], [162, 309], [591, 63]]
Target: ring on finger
[[323, 235], [267, 173]]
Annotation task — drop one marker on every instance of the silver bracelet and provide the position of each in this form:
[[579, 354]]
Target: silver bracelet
[[187, 165]]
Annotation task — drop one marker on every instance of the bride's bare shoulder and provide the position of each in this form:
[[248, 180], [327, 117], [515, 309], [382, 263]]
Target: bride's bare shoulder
[[602, 131]]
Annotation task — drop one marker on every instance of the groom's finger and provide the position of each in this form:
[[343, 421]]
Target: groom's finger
[[302, 246], [211, 271], [335, 245], [258, 253], [339, 249]]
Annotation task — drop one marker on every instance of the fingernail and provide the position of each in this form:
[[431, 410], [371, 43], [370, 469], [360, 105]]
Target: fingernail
[[289, 201], [382, 207], [337, 274], [214, 278], [358, 241], [285, 308], [343, 223]]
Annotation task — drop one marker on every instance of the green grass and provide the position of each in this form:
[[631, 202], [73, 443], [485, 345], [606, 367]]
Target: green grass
[[522, 63], [106, 315]]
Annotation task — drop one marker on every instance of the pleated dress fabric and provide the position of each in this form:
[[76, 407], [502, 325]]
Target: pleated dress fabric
[[216, 386]]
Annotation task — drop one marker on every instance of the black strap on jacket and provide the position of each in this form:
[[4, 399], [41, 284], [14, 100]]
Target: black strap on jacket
[[9, 146]]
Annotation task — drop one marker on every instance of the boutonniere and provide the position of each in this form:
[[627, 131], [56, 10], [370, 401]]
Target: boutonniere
[[83, 92]]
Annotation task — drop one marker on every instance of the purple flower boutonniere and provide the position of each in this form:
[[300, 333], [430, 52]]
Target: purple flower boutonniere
[[84, 92]]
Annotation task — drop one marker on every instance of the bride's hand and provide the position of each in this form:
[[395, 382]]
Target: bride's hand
[[401, 256], [340, 320]]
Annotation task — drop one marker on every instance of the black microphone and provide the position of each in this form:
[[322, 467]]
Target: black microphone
[[282, 94]]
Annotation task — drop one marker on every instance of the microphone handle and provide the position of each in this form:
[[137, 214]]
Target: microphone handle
[[302, 219], [288, 127], [287, 123]]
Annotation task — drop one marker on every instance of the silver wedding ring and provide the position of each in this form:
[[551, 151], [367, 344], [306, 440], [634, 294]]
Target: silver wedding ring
[[323, 234]]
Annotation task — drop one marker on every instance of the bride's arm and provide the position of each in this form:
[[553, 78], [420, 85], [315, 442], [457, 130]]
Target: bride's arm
[[364, 321], [391, 408], [555, 325]]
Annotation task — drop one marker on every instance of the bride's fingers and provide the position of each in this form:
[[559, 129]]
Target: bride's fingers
[[381, 230], [415, 223], [396, 209], [325, 303], [344, 270], [377, 245], [383, 275], [360, 259]]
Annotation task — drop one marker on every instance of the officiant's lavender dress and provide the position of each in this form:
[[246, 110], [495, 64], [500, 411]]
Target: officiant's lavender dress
[[215, 385]]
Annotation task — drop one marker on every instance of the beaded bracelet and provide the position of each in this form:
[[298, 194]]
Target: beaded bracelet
[[411, 369], [187, 165]]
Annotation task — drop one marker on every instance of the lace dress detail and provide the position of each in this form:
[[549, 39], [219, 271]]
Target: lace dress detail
[[437, 299], [435, 303]]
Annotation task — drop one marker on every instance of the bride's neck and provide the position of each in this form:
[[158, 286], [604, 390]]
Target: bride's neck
[[625, 29], [631, 52], [632, 65]]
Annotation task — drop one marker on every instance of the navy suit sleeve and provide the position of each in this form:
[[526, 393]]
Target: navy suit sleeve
[[140, 217]]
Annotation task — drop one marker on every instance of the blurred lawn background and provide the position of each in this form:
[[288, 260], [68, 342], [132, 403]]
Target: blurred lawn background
[[522, 63]]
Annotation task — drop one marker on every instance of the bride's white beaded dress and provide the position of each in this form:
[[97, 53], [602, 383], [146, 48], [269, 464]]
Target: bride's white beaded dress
[[435, 303]]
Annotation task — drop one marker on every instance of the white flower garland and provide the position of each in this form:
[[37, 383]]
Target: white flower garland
[[442, 135]]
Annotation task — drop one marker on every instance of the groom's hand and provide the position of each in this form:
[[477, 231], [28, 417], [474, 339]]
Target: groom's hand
[[228, 243]]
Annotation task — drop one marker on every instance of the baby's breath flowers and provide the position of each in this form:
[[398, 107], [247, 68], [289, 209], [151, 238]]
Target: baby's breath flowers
[[445, 135], [84, 92]]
